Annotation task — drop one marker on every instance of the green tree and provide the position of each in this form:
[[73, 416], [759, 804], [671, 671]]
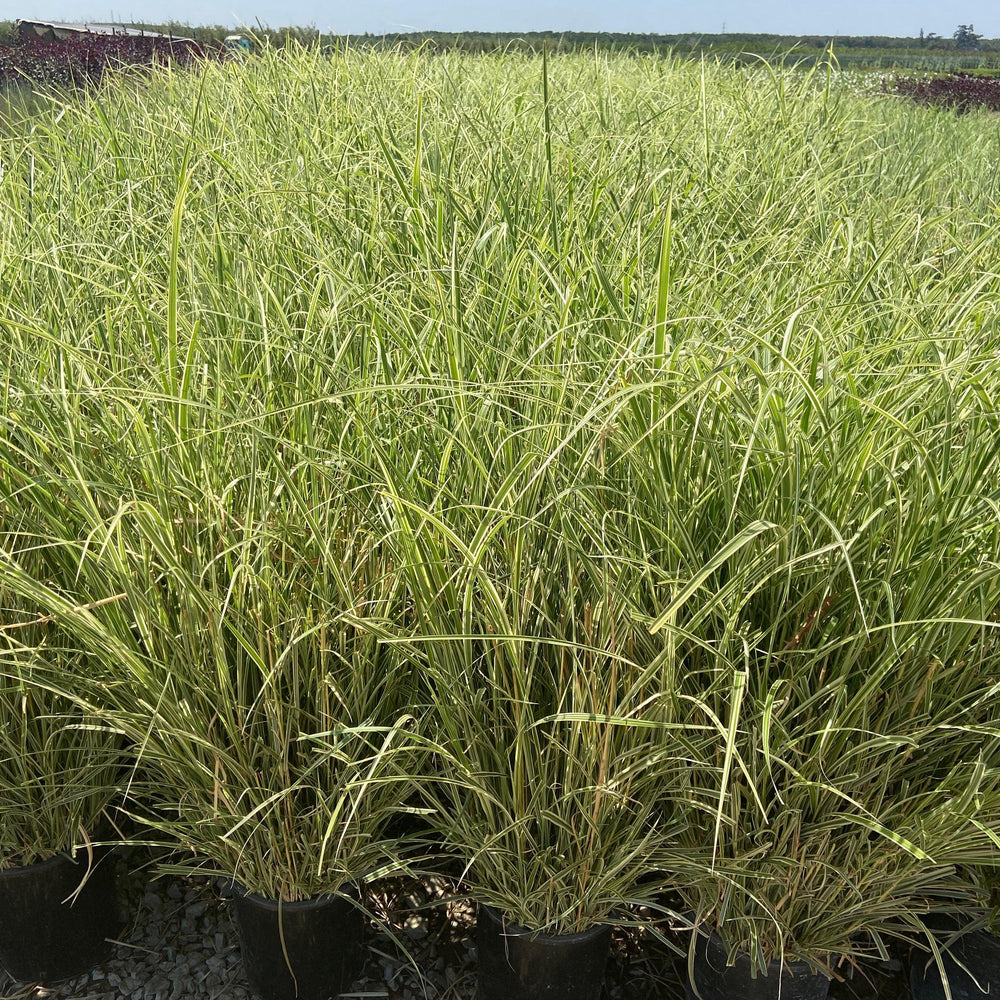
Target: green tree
[[966, 38]]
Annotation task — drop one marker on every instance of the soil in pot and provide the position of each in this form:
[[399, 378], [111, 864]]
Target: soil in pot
[[514, 964], [48, 930], [715, 980], [972, 965], [310, 950]]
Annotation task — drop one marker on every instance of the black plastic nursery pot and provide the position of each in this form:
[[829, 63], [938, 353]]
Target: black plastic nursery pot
[[48, 931], [972, 965], [516, 965], [310, 950], [715, 980]]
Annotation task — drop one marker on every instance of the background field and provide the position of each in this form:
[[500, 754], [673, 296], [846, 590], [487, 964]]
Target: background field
[[933, 54]]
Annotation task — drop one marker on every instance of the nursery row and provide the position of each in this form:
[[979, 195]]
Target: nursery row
[[590, 462], [417, 938]]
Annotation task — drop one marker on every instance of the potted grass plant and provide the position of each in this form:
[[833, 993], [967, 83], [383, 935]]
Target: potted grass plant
[[839, 641], [61, 770], [281, 751], [269, 727], [59, 779], [818, 871], [553, 728], [551, 757]]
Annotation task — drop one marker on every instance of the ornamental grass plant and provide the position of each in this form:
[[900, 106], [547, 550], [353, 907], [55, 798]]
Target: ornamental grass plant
[[278, 747], [837, 629], [551, 716], [270, 728], [628, 423], [60, 774]]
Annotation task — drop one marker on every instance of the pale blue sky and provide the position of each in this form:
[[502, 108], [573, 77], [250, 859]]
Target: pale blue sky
[[846, 17]]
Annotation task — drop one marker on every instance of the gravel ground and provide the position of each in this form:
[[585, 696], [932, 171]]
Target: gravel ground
[[180, 944]]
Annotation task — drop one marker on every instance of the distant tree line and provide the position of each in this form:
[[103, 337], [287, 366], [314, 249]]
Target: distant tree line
[[963, 40], [572, 41]]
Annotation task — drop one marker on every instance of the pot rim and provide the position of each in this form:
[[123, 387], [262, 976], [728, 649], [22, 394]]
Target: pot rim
[[795, 968], [349, 894], [513, 930], [57, 859]]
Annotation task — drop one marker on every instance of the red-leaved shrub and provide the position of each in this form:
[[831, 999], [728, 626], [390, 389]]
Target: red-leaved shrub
[[86, 58], [961, 92]]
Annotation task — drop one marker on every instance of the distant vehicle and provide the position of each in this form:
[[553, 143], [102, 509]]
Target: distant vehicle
[[237, 44]]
